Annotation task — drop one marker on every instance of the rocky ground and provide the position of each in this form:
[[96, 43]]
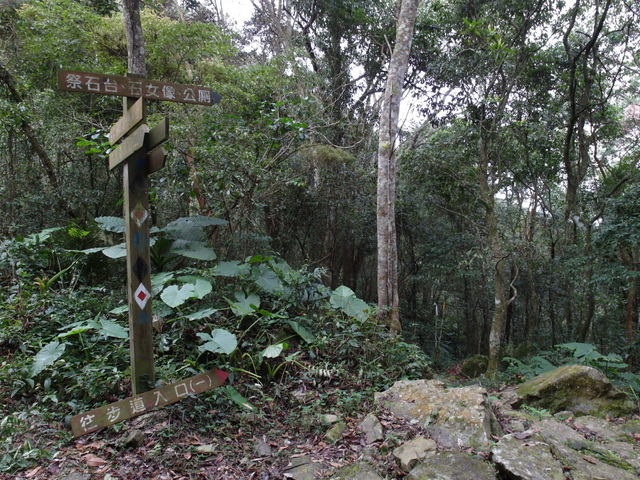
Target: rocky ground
[[417, 430]]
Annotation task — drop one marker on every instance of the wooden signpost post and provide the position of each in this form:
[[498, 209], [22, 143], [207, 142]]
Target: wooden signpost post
[[140, 154]]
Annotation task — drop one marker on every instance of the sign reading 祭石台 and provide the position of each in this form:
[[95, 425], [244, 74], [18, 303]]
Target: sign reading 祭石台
[[133, 87]]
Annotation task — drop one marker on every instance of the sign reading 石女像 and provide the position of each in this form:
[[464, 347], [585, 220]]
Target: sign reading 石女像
[[134, 87]]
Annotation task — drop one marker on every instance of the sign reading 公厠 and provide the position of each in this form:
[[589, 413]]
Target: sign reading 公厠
[[134, 87]]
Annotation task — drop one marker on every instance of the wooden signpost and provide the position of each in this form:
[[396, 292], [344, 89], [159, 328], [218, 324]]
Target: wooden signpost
[[140, 155]]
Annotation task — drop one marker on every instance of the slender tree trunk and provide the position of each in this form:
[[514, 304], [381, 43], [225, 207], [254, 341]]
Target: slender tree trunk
[[47, 164], [388, 298], [590, 296], [135, 41]]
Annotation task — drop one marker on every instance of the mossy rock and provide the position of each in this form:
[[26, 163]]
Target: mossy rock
[[474, 366], [580, 389]]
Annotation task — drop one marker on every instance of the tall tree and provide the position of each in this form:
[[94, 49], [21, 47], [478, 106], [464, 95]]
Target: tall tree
[[136, 58], [388, 298]]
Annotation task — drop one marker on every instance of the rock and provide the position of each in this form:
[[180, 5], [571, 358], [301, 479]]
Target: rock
[[77, 476], [583, 390], [605, 430], [302, 468], [474, 366], [549, 430], [584, 465], [330, 418], [452, 466], [526, 460], [455, 417], [357, 471], [335, 433], [584, 457], [410, 453], [632, 427], [263, 448], [133, 439], [372, 429]]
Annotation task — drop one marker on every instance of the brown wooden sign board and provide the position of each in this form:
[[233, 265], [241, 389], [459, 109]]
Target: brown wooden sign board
[[131, 119], [133, 87], [133, 406], [158, 135], [129, 147], [155, 160]]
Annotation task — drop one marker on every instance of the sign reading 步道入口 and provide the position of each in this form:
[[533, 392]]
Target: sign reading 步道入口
[[137, 405]]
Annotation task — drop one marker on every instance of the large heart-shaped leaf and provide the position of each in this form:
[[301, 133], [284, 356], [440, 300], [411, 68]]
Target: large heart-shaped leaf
[[111, 224], [47, 356], [192, 249], [273, 351], [202, 285], [231, 269], [245, 304], [344, 299], [117, 251], [305, 334], [220, 341], [174, 296], [110, 328]]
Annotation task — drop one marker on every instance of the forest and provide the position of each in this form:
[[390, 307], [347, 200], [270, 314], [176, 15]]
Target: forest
[[515, 202]]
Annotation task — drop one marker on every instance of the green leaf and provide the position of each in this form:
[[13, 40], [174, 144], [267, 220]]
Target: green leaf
[[195, 250], [220, 341], [117, 251], [231, 269], [207, 312], [273, 351], [175, 296], [47, 356], [120, 309], [344, 299], [111, 224], [158, 280], [245, 305], [579, 349], [110, 328], [305, 334], [202, 285], [238, 399], [75, 331], [269, 281]]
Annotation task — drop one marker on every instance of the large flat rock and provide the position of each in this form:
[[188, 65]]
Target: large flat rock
[[455, 417]]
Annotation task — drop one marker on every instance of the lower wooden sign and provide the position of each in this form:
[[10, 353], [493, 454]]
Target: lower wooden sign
[[130, 407]]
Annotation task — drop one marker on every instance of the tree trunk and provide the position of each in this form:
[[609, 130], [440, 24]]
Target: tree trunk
[[135, 41], [388, 298]]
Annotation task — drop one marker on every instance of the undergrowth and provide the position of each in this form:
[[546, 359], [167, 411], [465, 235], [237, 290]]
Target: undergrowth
[[288, 342]]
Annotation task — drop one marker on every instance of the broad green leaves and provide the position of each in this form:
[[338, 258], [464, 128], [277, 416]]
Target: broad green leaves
[[183, 237]]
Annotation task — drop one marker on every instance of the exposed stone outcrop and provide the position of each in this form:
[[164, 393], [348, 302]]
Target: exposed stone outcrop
[[466, 444], [580, 389], [452, 466], [454, 417]]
